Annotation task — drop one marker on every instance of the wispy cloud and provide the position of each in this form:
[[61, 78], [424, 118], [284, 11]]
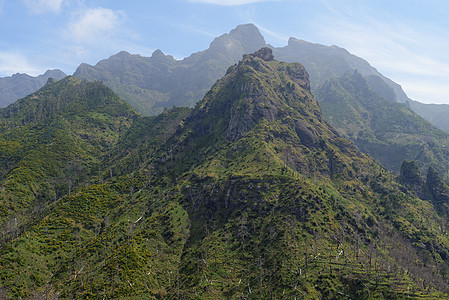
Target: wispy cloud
[[14, 62], [398, 49], [231, 2], [431, 91], [43, 6], [94, 23], [281, 37]]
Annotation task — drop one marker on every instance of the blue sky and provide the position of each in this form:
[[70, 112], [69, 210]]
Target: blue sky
[[406, 40]]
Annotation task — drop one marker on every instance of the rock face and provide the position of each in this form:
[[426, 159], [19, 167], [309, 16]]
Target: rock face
[[261, 94], [20, 85], [410, 176]]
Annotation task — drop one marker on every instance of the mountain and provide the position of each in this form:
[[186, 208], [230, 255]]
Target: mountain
[[251, 195], [323, 62], [20, 85], [388, 131], [434, 113], [151, 83], [51, 142]]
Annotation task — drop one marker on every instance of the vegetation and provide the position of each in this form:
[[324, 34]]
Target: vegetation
[[249, 195], [388, 131]]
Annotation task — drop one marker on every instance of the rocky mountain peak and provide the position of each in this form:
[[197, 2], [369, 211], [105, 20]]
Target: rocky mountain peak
[[265, 53], [160, 56], [55, 73], [248, 33], [259, 89], [246, 38]]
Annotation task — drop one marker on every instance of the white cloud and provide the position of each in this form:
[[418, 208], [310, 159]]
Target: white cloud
[[14, 62], [43, 6], [230, 2], [94, 23]]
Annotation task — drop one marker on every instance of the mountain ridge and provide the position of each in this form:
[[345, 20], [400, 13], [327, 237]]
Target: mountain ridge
[[249, 194], [20, 85], [390, 132], [165, 81], [151, 100]]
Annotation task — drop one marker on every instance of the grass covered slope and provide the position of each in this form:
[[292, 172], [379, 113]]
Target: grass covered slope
[[52, 142], [251, 196]]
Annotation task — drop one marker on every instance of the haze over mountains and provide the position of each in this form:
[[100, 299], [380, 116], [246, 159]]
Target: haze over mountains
[[20, 85], [163, 79], [151, 83]]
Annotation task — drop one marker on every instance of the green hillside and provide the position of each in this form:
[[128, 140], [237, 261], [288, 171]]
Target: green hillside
[[52, 142], [390, 132], [251, 195]]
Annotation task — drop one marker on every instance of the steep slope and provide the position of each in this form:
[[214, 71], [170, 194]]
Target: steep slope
[[51, 142], [20, 85], [253, 196], [434, 113], [389, 132], [151, 83], [324, 62], [145, 136]]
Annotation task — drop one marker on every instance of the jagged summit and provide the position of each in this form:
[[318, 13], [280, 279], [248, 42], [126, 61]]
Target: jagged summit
[[20, 85], [265, 53], [151, 83], [271, 100], [243, 39], [248, 34]]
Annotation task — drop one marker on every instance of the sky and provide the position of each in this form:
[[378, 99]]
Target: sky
[[405, 40]]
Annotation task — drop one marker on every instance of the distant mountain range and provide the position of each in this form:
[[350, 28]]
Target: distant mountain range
[[369, 108], [20, 85], [437, 114], [388, 131], [324, 62], [151, 84]]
